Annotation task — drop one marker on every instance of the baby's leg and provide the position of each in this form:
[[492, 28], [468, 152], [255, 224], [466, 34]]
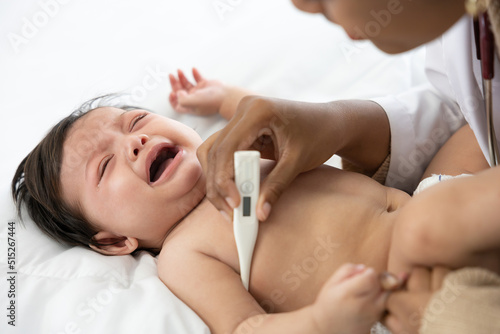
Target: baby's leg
[[454, 223]]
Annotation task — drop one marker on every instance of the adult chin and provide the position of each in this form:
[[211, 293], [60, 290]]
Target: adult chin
[[393, 47]]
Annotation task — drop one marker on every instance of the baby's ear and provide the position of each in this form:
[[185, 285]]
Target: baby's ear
[[112, 244]]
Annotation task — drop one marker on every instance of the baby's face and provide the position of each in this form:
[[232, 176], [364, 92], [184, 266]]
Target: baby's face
[[133, 173]]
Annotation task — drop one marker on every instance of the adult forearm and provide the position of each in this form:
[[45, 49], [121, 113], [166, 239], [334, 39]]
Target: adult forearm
[[366, 133], [363, 126]]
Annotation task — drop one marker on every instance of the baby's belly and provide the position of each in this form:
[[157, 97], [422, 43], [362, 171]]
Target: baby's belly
[[314, 229]]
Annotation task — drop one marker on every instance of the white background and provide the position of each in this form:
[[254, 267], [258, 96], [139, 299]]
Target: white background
[[54, 55]]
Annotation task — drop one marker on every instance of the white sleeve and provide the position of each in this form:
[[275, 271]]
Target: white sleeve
[[421, 120]]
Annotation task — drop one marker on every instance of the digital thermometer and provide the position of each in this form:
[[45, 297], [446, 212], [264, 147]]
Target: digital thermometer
[[245, 222]]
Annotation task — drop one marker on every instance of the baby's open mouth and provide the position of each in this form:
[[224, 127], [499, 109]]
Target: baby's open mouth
[[164, 158]]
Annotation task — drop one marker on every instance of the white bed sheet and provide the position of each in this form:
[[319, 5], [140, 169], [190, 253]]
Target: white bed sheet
[[56, 54]]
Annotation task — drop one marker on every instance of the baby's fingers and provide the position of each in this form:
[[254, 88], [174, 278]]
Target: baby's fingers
[[184, 81], [172, 98], [174, 83], [364, 283], [180, 106], [345, 271], [197, 76], [366, 289]]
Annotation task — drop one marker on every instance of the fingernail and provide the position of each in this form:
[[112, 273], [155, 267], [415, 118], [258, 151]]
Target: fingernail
[[369, 271], [360, 267], [264, 212], [389, 281], [403, 276], [230, 202], [225, 215]]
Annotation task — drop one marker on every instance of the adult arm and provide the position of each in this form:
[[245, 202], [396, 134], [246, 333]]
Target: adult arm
[[299, 136], [460, 155], [421, 121]]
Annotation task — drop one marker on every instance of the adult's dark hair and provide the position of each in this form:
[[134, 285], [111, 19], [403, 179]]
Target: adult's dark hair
[[37, 182]]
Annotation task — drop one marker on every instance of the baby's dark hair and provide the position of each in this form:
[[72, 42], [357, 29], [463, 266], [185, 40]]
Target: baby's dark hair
[[37, 182]]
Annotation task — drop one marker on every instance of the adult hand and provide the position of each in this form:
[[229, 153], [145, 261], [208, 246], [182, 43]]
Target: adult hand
[[299, 136], [406, 307]]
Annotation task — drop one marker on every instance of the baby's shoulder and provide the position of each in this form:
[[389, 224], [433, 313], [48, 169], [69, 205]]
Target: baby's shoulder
[[175, 245], [179, 254], [202, 234]]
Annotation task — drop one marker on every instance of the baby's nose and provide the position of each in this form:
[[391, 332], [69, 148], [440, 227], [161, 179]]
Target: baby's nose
[[136, 145]]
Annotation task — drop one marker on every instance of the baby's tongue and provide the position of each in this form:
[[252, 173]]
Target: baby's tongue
[[162, 168]]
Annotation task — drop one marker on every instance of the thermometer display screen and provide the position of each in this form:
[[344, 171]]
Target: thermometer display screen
[[246, 206]]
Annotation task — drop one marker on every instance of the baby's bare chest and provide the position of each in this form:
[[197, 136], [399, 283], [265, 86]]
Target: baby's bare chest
[[313, 230], [315, 227]]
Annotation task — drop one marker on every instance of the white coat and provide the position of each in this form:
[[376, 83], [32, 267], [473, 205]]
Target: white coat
[[422, 119]]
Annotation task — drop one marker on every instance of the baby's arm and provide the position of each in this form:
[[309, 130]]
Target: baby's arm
[[460, 154], [205, 97], [350, 302]]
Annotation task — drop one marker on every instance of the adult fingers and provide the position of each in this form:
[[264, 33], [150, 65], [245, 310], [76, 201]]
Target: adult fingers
[[397, 303], [420, 280], [399, 312], [438, 275], [221, 189], [218, 159], [254, 118], [274, 184], [392, 323], [408, 308]]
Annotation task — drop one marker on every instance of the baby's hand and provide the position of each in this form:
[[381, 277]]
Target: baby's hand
[[351, 301], [203, 98]]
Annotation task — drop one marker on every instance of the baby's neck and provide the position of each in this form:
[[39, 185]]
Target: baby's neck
[[203, 210]]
